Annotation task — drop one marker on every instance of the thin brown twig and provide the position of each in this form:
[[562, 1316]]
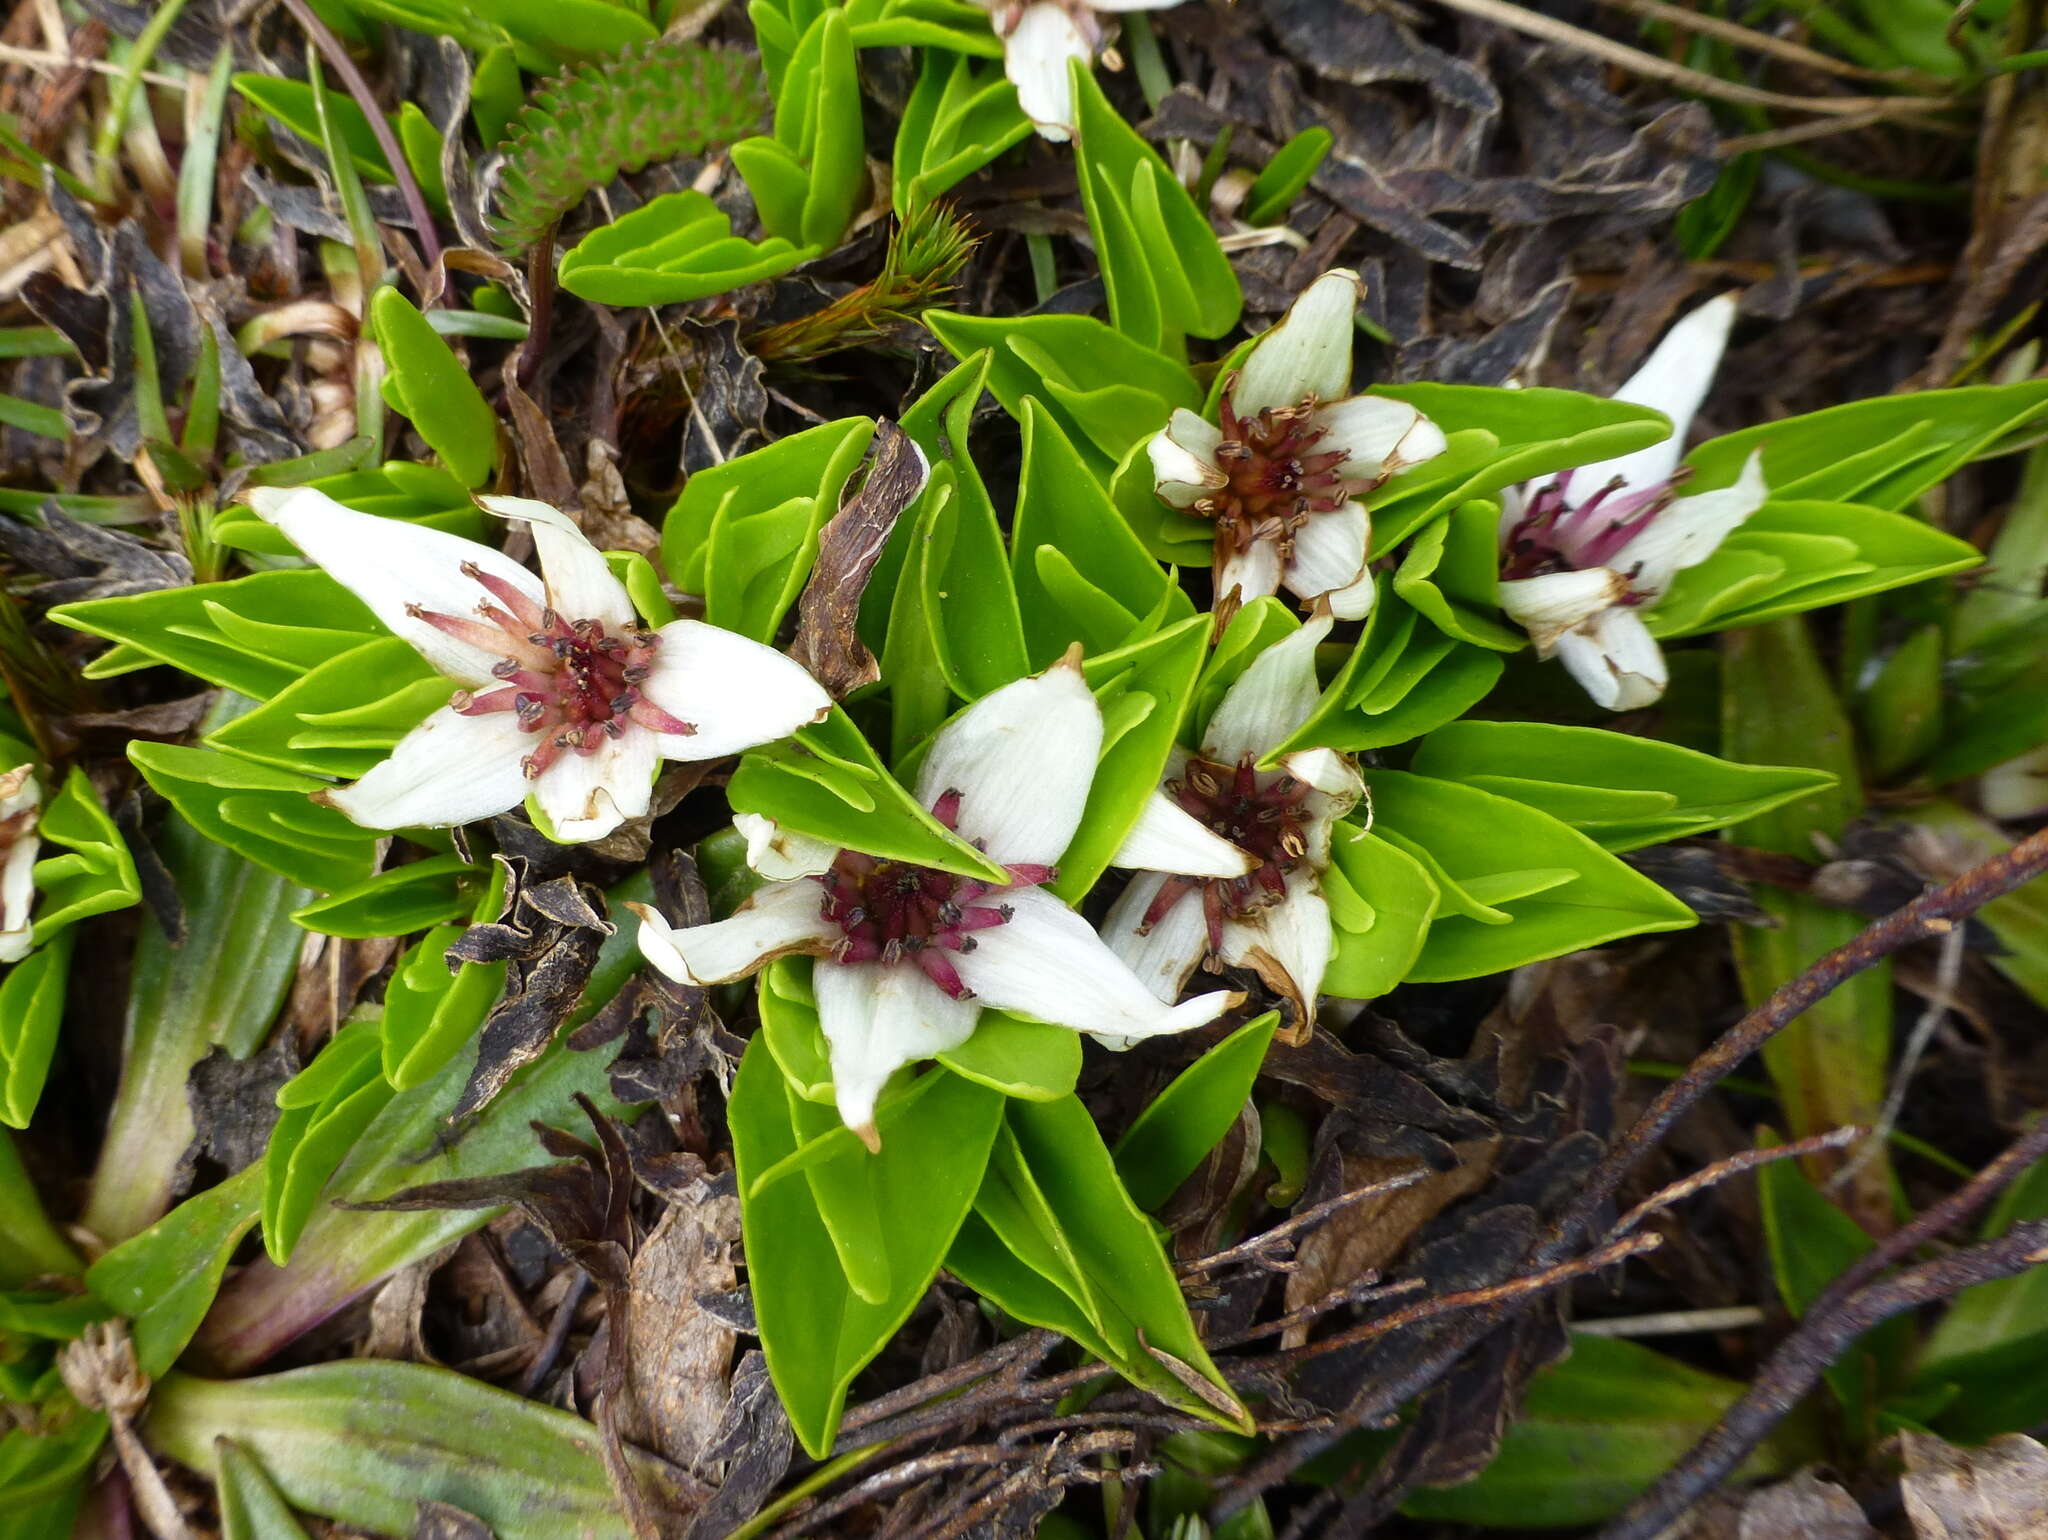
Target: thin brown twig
[[1757, 42], [1650, 66], [1804, 1356], [1360, 1291], [336, 55], [1031, 1347], [1266, 1240], [1734, 1165]]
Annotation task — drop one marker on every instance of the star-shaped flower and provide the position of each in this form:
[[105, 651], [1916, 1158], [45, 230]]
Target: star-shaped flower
[[1271, 917], [1040, 37], [565, 696], [21, 801], [1584, 555], [908, 955], [1281, 475]]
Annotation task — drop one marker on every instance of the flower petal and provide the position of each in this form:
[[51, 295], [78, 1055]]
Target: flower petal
[[393, 566], [1690, 530], [1287, 944], [1329, 553], [1307, 354], [737, 692], [1250, 573], [1549, 605], [579, 580], [1338, 788], [1164, 956], [586, 796], [1617, 661], [1183, 455], [877, 1018], [1270, 699], [1035, 55], [1168, 838], [1049, 964], [1378, 435], [1674, 379], [1022, 760], [778, 853], [21, 799], [450, 769], [781, 918]]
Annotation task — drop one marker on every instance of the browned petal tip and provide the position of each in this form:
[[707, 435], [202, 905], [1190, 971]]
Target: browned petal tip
[[870, 1136]]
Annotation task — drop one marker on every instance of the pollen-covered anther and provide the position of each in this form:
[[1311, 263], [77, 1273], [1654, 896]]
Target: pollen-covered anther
[[1265, 814], [1275, 478]]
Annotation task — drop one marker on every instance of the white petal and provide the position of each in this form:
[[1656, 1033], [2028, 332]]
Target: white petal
[[1022, 760], [1132, 5], [1164, 956], [1674, 379], [877, 1018], [1617, 661], [18, 873], [392, 565], [779, 853], [579, 580], [737, 692], [1270, 699], [1333, 775], [1690, 530], [1183, 455], [1253, 573], [1355, 600], [1287, 944], [1047, 963], [781, 918], [450, 769], [1329, 553], [1308, 354], [1035, 55], [1373, 430], [586, 796], [1168, 838], [1549, 605], [2016, 789]]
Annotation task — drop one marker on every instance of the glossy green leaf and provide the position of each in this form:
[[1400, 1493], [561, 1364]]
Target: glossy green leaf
[[31, 1019], [961, 114], [1625, 792], [164, 1279], [397, 902], [1450, 573], [1514, 884], [95, 873], [323, 1111], [1189, 1118], [1382, 901], [429, 1011], [398, 489], [1286, 175], [254, 635], [343, 716], [428, 384], [291, 103], [816, 1330], [1018, 1057], [251, 1507], [30, 1245], [675, 248], [262, 813]]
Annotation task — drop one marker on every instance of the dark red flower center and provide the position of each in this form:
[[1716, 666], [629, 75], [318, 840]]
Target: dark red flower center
[[1275, 477], [1264, 815], [1553, 536], [571, 684], [896, 911]]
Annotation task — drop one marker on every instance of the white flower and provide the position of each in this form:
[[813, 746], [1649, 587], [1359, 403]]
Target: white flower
[[21, 801], [1270, 915], [1281, 477], [1584, 555], [564, 695], [1039, 38], [908, 955]]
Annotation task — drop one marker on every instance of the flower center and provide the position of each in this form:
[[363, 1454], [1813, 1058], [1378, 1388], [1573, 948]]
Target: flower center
[[892, 911], [572, 685], [1552, 536], [1264, 816], [1276, 477]]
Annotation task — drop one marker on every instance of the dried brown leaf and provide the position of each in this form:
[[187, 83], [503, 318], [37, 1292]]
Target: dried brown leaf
[[677, 1352], [1997, 1492], [827, 636]]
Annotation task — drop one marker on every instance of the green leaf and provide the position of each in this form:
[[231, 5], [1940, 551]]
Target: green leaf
[[1057, 1241], [1883, 452], [365, 1442], [675, 248], [429, 385], [1017, 1057], [343, 716], [1594, 1432], [1900, 707], [1451, 574], [251, 1508], [1286, 175], [398, 489], [323, 1111], [1382, 901], [164, 1279], [265, 814], [291, 103], [1184, 1122], [31, 1017], [1514, 884], [254, 635], [827, 782], [1164, 270], [95, 874], [33, 1246], [397, 902], [430, 1011], [1106, 392], [2019, 919], [1625, 792], [961, 114], [816, 1330]]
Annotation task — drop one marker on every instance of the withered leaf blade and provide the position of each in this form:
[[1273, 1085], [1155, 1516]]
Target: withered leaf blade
[[444, 1521], [1998, 1492], [754, 1435], [828, 615], [1363, 45], [677, 1350], [539, 995], [89, 561]]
